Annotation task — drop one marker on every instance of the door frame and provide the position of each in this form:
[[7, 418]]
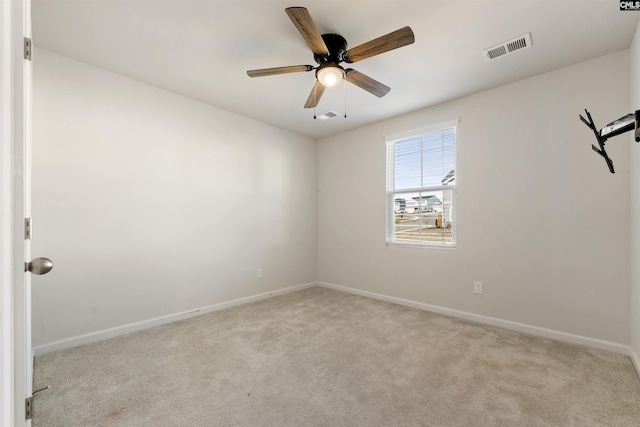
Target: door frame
[[15, 362]]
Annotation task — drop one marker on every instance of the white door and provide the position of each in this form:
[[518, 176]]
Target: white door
[[25, 287], [15, 126]]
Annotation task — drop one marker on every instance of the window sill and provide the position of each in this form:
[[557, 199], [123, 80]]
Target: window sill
[[429, 246]]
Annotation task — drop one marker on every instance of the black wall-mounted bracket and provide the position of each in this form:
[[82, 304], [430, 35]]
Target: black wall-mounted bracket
[[617, 127]]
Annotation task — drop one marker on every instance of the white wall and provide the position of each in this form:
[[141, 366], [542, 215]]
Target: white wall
[[151, 204], [634, 72], [542, 222]]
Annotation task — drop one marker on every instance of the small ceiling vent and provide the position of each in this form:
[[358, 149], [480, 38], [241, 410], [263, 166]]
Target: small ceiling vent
[[327, 115], [507, 47]]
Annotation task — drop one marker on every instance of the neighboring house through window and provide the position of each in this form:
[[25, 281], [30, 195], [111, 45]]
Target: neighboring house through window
[[421, 187]]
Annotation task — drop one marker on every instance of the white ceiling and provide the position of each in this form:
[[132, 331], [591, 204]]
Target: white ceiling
[[202, 49]]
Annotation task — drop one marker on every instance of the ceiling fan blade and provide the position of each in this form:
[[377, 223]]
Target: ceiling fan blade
[[304, 23], [315, 95], [367, 83], [279, 70], [394, 40]]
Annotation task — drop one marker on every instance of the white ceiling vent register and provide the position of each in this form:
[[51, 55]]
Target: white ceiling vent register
[[327, 115], [508, 47]]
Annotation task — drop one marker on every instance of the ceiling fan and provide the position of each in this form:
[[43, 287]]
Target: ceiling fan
[[329, 50]]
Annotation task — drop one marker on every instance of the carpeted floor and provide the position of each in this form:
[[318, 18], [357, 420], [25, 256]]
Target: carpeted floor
[[319, 357]]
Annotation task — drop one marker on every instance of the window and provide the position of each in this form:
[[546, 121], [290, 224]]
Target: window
[[421, 187]]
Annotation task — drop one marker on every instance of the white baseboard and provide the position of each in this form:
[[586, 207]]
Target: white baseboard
[[492, 321], [635, 359], [150, 323]]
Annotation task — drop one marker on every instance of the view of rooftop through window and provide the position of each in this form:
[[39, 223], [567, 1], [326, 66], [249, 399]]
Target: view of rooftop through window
[[421, 188]]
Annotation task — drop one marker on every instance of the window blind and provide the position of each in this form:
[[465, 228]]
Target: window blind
[[421, 187]]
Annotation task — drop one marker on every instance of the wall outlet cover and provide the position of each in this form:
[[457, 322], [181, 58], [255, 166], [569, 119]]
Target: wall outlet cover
[[477, 287]]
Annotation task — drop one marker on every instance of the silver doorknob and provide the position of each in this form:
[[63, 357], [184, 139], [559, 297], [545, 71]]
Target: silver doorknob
[[39, 266]]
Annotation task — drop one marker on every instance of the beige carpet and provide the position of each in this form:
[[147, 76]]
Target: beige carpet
[[324, 358]]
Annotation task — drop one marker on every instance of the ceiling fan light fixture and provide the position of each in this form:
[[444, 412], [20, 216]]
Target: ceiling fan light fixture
[[330, 74]]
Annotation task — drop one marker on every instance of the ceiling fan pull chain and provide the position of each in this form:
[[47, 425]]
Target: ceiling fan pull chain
[[345, 98], [315, 102]]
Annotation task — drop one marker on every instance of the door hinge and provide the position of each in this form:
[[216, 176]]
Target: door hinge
[[28, 230], [28, 403], [28, 408], [27, 48]]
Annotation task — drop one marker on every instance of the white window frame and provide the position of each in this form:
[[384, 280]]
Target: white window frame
[[392, 193]]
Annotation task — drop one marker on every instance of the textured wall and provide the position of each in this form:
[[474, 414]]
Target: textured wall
[[541, 221], [151, 204], [634, 72]]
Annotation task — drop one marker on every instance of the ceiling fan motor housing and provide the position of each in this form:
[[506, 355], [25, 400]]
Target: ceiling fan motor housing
[[337, 46]]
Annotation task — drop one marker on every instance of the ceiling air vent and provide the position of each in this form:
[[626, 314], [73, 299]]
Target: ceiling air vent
[[327, 115], [507, 47]]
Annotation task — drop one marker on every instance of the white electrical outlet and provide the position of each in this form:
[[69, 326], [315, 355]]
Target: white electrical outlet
[[259, 273], [477, 287]]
